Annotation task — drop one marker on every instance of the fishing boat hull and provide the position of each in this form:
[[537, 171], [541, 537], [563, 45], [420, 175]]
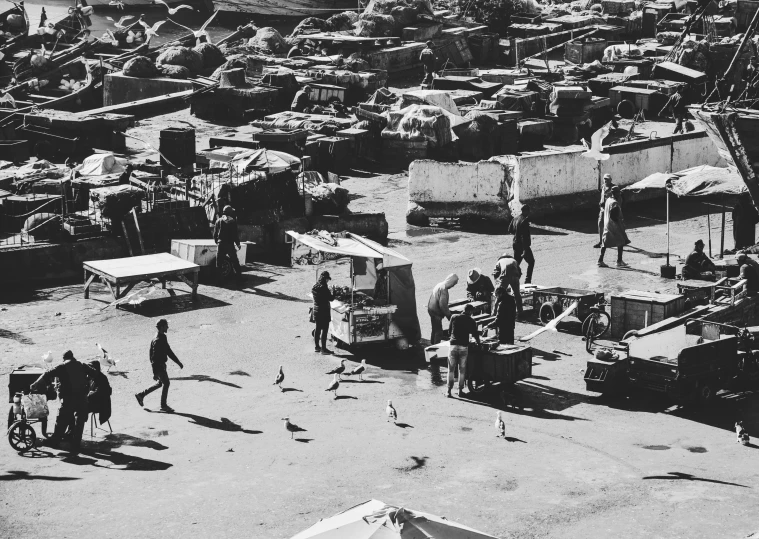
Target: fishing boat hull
[[102, 5], [735, 132], [287, 8]]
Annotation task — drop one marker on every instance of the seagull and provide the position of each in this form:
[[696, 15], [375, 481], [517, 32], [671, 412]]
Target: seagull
[[173, 11], [122, 20], [151, 31], [390, 411], [338, 371], [202, 32], [290, 427], [596, 140], [280, 378], [48, 358], [358, 370], [116, 3], [500, 426], [107, 360], [334, 385]]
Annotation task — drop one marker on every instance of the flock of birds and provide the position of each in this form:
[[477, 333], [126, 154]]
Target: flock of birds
[[106, 360], [152, 30]]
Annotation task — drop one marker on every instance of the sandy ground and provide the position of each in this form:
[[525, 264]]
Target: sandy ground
[[572, 466]]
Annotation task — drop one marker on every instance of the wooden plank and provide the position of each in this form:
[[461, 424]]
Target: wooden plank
[[139, 234], [87, 283], [123, 107]]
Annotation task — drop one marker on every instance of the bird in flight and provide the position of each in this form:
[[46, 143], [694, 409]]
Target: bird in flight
[[500, 426], [122, 20], [390, 411], [334, 385], [338, 371], [280, 378], [173, 10], [151, 31], [202, 32], [117, 4]]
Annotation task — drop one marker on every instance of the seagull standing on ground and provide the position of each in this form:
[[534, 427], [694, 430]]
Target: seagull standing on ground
[[48, 359], [500, 426], [290, 427], [358, 370], [280, 378], [390, 411], [338, 371], [334, 385], [107, 360]]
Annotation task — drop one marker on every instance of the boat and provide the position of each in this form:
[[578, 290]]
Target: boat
[[287, 8], [126, 5], [15, 25]]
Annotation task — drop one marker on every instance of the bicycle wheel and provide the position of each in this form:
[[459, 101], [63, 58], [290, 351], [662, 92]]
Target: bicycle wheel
[[602, 323], [477, 386], [21, 436], [590, 334], [546, 313]]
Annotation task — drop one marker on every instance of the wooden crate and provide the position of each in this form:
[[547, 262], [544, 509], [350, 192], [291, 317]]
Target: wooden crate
[[618, 7], [585, 52], [744, 12], [324, 93], [633, 309], [644, 99]]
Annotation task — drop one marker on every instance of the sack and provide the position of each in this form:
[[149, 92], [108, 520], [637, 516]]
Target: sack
[[311, 315], [35, 406]]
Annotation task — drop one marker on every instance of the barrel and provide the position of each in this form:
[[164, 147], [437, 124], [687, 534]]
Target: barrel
[[177, 147]]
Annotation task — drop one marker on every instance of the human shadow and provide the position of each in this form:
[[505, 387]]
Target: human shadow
[[7, 334], [204, 378], [117, 440], [224, 423], [13, 475], [688, 477], [92, 453]]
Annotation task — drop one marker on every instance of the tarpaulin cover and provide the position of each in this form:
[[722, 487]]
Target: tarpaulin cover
[[698, 181], [100, 164], [377, 520], [269, 160], [420, 123], [436, 98]]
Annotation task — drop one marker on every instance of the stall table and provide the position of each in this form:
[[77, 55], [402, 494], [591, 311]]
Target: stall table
[[117, 272], [357, 325]]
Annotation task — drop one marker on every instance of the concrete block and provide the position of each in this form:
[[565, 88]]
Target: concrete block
[[118, 88], [421, 33]]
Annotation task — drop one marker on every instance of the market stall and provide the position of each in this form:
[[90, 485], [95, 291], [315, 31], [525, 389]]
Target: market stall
[[378, 303]]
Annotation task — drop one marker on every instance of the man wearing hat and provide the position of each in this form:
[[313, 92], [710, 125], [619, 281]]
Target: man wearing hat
[[605, 192], [227, 237], [698, 265], [159, 352], [74, 384], [479, 287], [322, 312], [614, 233], [427, 57], [506, 274], [302, 100]]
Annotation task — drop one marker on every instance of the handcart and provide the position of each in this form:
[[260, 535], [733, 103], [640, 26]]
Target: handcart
[[26, 409], [491, 363], [549, 303]]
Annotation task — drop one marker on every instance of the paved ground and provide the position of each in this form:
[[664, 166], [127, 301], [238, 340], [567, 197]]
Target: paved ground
[[222, 465]]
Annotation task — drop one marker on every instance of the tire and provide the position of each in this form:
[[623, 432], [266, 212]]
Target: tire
[[22, 437], [601, 324], [477, 386], [626, 109], [546, 313], [705, 393]]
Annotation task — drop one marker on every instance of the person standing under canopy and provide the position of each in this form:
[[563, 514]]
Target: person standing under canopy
[[322, 312]]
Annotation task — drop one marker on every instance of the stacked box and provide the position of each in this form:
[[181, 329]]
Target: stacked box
[[633, 309], [569, 101], [585, 52], [618, 7]]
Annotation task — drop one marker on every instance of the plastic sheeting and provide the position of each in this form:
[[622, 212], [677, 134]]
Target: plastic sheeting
[[420, 122], [699, 181], [101, 164], [270, 161]]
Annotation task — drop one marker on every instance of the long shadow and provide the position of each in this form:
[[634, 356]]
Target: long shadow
[[545, 356], [13, 475], [365, 381], [419, 462], [494, 402], [160, 307], [512, 439], [250, 283], [121, 374], [224, 424], [7, 334], [404, 426], [239, 373], [304, 440], [117, 440], [204, 378], [125, 462], [679, 476]]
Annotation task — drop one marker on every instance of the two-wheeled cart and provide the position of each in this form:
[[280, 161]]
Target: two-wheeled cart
[[26, 409]]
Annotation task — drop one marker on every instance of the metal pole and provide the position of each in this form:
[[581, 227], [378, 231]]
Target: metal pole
[[667, 227], [722, 237], [709, 228]]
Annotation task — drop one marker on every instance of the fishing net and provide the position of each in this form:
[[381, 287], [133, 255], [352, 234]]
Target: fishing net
[[269, 40], [181, 56], [174, 72], [212, 55], [342, 22], [141, 67], [116, 201], [309, 25]]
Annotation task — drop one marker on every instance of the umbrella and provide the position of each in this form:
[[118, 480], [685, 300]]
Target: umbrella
[[269, 160], [377, 520]]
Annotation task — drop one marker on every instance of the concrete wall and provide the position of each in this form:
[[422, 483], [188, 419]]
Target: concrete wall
[[550, 180], [40, 262], [118, 88]]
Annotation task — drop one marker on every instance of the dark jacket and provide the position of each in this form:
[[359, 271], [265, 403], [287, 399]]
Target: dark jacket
[[427, 58], [301, 101], [160, 350], [462, 326], [481, 290], [225, 231], [99, 396], [506, 312], [322, 296], [73, 378], [521, 227]]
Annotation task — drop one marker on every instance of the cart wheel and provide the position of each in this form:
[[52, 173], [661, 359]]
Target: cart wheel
[[600, 324], [225, 269], [705, 393], [21, 436], [477, 386], [547, 313]]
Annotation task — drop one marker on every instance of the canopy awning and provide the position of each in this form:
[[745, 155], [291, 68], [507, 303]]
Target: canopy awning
[[353, 245], [701, 181]]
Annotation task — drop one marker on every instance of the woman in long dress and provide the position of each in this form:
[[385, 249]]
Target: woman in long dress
[[614, 228]]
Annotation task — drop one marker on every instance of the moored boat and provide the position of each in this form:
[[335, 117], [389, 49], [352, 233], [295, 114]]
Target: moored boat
[[287, 8]]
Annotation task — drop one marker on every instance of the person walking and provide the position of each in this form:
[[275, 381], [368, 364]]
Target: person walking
[[322, 312], [614, 229], [74, 385], [506, 274], [605, 192], [160, 351], [227, 237], [505, 316], [437, 306], [462, 326], [427, 57], [523, 242]]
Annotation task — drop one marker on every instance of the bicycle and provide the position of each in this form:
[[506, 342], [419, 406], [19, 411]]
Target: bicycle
[[596, 324]]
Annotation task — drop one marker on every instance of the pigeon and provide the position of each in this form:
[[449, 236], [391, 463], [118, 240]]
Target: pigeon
[[500, 426], [338, 371], [390, 411], [290, 427], [173, 10], [334, 385], [280, 378], [202, 32], [358, 370], [122, 20], [107, 360]]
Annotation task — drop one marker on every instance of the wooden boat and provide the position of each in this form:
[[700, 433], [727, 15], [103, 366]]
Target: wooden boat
[[18, 33], [287, 8]]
